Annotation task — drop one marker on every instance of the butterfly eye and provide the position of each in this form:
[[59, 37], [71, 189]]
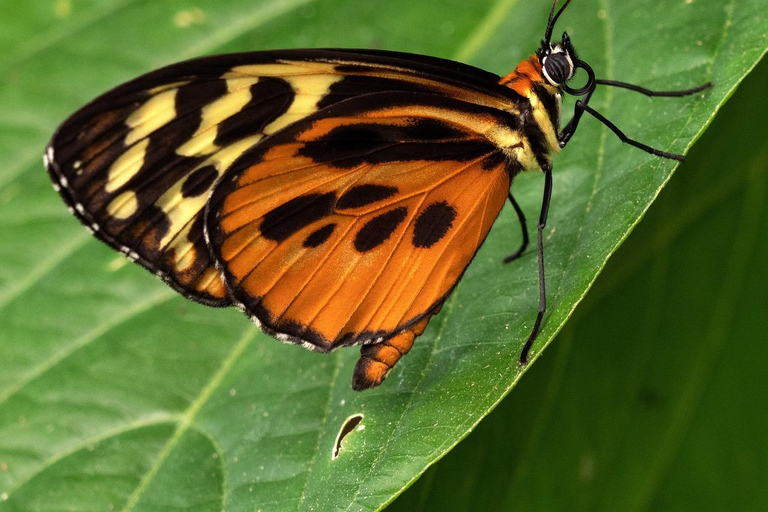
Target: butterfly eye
[[557, 68]]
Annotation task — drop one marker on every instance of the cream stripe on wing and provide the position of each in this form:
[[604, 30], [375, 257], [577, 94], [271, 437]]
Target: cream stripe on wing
[[308, 91], [158, 111], [126, 166], [203, 141], [124, 205]]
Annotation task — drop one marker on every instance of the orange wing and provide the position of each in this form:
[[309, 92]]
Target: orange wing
[[356, 223]]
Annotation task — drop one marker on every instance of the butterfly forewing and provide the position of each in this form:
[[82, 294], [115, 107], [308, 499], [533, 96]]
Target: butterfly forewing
[[354, 223], [137, 165]]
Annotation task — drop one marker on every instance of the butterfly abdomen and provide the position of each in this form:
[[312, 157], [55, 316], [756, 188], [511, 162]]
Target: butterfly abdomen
[[377, 359]]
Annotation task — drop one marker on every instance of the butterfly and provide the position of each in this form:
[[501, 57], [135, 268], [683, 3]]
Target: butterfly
[[335, 196]]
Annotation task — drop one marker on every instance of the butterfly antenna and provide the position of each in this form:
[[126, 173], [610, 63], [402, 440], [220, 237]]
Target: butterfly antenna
[[552, 20], [653, 94]]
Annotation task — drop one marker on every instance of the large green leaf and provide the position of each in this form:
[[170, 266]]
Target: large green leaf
[[116, 393], [652, 396]]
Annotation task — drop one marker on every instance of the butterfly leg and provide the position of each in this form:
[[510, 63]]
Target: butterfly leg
[[540, 245], [570, 128], [521, 218], [626, 140], [377, 359]]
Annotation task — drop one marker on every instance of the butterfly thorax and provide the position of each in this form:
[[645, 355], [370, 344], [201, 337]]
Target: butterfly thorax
[[539, 106]]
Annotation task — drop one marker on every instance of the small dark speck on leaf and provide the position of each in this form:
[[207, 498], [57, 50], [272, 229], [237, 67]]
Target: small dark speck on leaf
[[347, 427]]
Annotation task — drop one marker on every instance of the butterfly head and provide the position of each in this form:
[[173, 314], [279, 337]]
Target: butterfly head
[[557, 61], [559, 64]]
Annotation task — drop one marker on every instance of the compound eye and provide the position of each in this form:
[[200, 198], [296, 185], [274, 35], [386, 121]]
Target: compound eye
[[557, 68]]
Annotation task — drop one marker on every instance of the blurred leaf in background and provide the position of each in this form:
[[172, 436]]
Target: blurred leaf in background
[[115, 393], [652, 396]]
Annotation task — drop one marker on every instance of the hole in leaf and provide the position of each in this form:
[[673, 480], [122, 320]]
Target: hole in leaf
[[346, 428]]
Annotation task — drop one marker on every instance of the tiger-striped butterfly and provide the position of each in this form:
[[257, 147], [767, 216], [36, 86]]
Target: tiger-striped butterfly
[[335, 196]]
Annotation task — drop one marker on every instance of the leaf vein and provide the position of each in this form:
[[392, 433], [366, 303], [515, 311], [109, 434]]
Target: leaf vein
[[38, 370]]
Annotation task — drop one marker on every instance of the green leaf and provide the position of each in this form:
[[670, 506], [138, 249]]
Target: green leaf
[[650, 398], [117, 394]]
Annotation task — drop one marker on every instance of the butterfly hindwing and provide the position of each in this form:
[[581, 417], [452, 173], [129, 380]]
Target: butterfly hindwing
[[356, 222], [137, 164]]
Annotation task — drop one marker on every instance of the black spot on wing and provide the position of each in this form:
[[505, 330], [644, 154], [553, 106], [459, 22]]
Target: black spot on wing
[[296, 214], [377, 230], [432, 129], [190, 100], [351, 86], [352, 145], [363, 195], [270, 98], [433, 224], [318, 238], [199, 182]]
